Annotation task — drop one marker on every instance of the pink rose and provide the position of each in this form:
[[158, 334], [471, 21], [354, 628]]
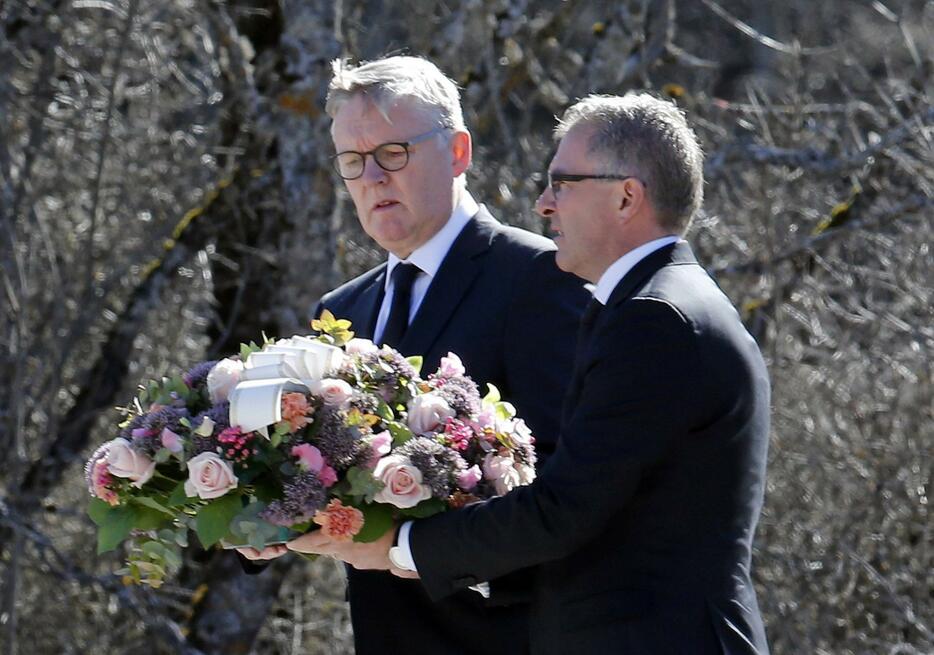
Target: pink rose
[[403, 482], [309, 456], [428, 411], [312, 459], [451, 366], [223, 378], [333, 392], [124, 462], [209, 476], [501, 472], [361, 347], [380, 445], [468, 479], [171, 441]]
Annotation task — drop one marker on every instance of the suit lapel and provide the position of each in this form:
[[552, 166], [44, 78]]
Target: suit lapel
[[364, 312], [676, 253], [460, 267]]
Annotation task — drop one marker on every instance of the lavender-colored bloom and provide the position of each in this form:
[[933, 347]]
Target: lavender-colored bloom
[[197, 376], [145, 434], [439, 465], [383, 371], [460, 392], [301, 498], [341, 445], [363, 401]]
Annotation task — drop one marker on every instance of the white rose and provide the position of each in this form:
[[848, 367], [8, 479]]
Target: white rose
[[223, 378], [124, 462], [403, 482], [209, 476], [428, 411], [526, 473], [501, 471], [361, 347], [332, 391]]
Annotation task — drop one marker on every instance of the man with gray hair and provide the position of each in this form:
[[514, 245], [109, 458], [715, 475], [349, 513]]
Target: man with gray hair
[[642, 521], [455, 280]]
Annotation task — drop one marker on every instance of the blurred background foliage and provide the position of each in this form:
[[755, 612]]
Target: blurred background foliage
[[165, 194]]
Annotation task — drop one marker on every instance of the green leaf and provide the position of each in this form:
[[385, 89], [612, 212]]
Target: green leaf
[[505, 410], [362, 483], [384, 411], [424, 509], [492, 396], [153, 504], [377, 520], [399, 431], [178, 496], [416, 362], [113, 524], [213, 520]]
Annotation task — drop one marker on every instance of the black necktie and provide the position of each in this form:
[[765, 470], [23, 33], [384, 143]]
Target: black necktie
[[588, 320], [403, 276]]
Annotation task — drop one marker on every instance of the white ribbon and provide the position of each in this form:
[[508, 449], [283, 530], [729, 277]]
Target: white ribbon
[[295, 364]]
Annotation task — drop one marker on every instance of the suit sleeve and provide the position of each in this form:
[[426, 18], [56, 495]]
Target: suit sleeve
[[539, 345], [635, 399]]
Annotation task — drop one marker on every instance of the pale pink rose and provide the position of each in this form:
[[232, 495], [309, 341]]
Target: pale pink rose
[[451, 366], [403, 482], [171, 441], [124, 462], [309, 456], [468, 479], [332, 391], [427, 412], [501, 472], [209, 476], [360, 347], [223, 378], [380, 445]]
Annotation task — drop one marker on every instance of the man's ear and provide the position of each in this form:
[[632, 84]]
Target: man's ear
[[632, 198], [461, 151]]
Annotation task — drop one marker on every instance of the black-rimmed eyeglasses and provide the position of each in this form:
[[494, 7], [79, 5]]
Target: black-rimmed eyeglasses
[[391, 157], [555, 180]]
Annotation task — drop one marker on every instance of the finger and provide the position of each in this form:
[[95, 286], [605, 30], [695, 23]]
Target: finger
[[313, 542], [249, 553], [404, 573]]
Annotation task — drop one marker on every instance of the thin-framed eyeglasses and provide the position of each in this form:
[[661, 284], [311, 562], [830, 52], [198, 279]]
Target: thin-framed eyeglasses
[[555, 180], [391, 157]]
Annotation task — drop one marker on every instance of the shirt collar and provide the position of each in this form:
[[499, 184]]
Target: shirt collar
[[429, 255], [618, 269]]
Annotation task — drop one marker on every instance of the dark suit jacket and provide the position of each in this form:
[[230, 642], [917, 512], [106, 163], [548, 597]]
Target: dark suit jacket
[[643, 518], [499, 302]]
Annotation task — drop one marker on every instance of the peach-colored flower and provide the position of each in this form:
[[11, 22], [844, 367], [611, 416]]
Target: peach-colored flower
[[295, 410], [339, 522]]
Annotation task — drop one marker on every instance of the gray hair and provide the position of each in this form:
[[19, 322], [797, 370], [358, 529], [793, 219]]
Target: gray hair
[[384, 81], [648, 138]]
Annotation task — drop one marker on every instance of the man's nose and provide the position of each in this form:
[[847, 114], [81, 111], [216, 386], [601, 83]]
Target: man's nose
[[373, 173], [545, 205]]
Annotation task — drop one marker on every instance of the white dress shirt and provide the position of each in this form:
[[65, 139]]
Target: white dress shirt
[[427, 258], [618, 269], [401, 555]]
